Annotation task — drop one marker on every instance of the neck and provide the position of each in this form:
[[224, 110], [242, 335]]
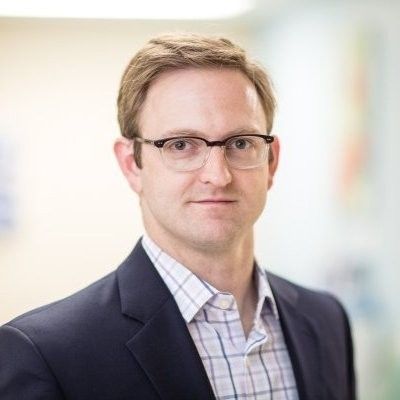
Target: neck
[[228, 269]]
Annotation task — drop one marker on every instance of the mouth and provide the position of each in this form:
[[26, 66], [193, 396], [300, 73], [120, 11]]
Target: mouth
[[214, 202]]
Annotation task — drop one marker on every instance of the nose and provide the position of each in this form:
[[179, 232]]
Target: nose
[[216, 170]]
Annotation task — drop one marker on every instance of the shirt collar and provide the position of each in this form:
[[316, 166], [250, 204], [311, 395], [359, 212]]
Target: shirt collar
[[190, 292], [266, 298]]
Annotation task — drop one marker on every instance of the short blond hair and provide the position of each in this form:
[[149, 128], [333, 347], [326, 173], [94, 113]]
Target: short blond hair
[[179, 51]]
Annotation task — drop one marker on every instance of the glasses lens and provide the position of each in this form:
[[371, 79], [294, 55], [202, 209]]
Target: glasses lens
[[246, 151], [184, 154]]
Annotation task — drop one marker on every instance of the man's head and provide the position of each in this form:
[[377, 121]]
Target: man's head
[[188, 91], [181, 51]]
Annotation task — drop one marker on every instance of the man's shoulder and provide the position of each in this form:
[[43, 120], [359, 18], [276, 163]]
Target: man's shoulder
[[74, 312], [319, 304], [289, 285]]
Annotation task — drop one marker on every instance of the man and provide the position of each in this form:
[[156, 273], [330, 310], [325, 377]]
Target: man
[[189, 314]]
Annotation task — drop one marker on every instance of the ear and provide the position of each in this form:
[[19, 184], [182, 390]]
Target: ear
[[123, 150], [273, 160]]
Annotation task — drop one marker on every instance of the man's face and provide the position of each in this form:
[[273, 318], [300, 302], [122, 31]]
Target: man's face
[[215, 206]]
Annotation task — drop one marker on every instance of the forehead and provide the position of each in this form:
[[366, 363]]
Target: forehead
[[213, 101]]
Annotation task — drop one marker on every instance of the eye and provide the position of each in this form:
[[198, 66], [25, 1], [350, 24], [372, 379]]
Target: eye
[[240, 143], [179, 144]]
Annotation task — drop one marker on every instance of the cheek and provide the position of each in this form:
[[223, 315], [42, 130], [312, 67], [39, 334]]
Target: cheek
[[163, 189], [255, 191], [254, 183]]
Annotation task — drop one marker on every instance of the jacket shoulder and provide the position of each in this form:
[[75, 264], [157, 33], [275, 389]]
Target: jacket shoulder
[[72, 313], [316, 304]]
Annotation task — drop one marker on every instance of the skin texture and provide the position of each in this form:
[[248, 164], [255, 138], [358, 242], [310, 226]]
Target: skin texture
[[203, 218]]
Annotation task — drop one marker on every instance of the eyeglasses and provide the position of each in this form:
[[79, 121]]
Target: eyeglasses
[[188, 153]]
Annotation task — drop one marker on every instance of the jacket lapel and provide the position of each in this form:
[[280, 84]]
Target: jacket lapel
[[165, 350], [163, 346], [301, 338]]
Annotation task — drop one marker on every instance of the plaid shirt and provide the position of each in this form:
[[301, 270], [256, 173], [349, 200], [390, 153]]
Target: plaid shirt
[[258, 367]]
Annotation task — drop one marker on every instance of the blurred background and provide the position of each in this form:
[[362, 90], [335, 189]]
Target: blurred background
[[332, 220]]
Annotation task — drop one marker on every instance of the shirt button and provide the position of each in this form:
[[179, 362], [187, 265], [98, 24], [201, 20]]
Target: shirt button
[[224, 304]]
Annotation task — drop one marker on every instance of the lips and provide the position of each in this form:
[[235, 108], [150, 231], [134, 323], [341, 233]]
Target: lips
[[214, 201]]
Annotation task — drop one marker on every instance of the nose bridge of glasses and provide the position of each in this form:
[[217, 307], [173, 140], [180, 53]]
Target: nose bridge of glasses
[[219, 143], [219, 155], [215, 143]]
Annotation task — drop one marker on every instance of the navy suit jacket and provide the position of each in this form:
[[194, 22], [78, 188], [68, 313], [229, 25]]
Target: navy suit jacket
[[124, 338]]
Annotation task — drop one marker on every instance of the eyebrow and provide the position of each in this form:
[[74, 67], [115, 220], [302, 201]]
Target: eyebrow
[[194, 132]]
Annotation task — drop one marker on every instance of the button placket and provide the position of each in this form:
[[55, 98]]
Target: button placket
[[246, 367]]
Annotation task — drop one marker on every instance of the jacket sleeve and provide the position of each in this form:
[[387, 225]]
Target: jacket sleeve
[[24, 374]]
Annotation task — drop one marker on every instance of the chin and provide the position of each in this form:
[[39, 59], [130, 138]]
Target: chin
[[213, 238]]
